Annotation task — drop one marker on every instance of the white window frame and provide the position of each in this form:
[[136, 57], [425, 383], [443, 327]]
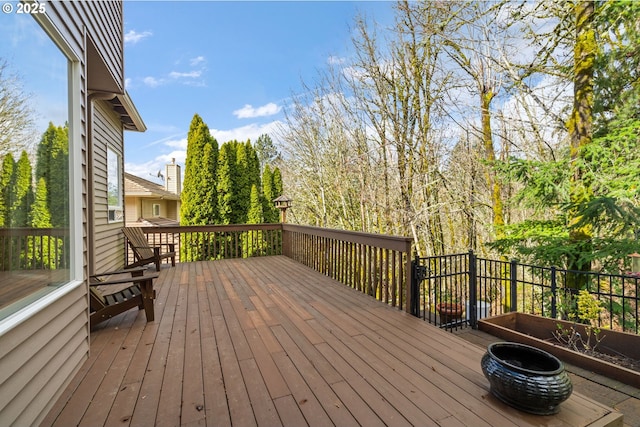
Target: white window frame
[[116, 211], [155, 209]]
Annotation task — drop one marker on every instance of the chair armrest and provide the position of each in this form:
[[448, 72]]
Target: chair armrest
[[130, 279], [126, 270], [159, 245]]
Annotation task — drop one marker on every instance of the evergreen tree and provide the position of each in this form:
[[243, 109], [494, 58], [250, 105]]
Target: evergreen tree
[[253, 165], [52, 164], [265, 150], [40, 216], [6, 189], [277, 183], [209, 203], [254, 243], [22, 192], [255, 215], [198, 204], [42, 249], [243, 181], [226, 185], [268, 207], [248, 171]]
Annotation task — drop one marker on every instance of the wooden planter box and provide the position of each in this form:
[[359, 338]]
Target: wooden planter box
[[537, 331]]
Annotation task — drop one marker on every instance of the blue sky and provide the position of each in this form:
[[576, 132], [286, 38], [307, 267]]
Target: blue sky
[[234, 63]]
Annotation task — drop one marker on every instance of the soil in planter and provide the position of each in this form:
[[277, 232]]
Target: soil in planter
[[620, 360]]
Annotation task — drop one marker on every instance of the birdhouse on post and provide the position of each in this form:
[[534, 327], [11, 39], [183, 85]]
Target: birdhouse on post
[[283, 203]]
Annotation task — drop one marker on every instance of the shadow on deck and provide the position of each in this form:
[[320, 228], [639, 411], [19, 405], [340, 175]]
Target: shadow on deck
[[268, 341]]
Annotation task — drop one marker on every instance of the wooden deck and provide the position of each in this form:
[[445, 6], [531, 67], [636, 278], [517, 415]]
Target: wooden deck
[[268, 341]]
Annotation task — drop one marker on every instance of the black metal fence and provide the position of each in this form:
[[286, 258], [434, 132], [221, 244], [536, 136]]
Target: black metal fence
[[456, 290]]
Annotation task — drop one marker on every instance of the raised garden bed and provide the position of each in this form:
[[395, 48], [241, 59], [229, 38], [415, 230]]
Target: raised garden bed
[[538, 331]]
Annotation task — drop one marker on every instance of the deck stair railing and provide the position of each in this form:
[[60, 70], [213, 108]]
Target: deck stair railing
[[485, 287]]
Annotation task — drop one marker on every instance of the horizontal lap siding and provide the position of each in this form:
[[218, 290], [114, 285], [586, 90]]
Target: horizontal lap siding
[[39, 356], [109, 241]]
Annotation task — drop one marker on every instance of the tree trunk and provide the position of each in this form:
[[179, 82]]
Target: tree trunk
[[580, 131]]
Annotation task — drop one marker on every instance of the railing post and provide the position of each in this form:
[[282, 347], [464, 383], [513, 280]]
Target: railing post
[[473, 291], [513, 284], [413, 302], [284, 239], [411, 299], [554, 290]]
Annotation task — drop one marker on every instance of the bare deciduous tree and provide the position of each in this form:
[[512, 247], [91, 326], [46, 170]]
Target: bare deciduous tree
[[16, 116]]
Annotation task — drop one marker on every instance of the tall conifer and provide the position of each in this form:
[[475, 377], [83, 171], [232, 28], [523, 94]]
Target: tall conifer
[[277, 182], [198, 205], [268, 207], [227, 176], [40, 217], [52, 164], [6, 188], [22, 192]]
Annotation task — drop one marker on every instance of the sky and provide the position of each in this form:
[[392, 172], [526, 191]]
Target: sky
[[236, 64]]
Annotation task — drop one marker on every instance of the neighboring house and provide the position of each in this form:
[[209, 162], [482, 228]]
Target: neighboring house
[[150, 204], [44, 336]]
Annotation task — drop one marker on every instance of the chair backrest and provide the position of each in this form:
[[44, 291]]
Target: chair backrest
[[138, 242]]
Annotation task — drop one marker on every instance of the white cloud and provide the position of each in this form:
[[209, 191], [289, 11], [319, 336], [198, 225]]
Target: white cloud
[[177, 143], [153, 82], [243, 133], [335, 60], [196, 61], [190, 74], [134, 37], [248, 112]]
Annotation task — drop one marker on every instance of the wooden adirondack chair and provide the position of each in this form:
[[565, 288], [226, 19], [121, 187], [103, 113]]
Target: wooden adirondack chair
[[139, 294], [144, 253]]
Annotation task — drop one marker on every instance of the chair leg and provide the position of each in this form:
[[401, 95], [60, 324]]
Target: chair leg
[[148, 295]]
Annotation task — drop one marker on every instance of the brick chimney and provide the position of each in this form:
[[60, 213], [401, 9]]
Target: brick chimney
[[173, 181]]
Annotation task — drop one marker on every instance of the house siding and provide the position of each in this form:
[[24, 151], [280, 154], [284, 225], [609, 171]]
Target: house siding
[[132, 209], [40, 354], [108, 240], [103, 23]]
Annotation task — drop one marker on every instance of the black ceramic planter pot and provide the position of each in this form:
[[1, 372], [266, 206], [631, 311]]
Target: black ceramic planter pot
[[526, 377]]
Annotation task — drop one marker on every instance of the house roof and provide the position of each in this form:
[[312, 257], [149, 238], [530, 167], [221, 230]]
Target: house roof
[[154, 222], [140, 187], [129, 115]]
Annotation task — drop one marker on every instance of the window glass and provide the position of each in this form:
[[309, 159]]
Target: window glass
[[35, 244], [114, 186]]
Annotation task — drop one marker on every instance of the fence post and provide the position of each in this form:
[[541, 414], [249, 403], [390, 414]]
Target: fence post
[[513, 279], [414, 288], [473, 291], [554, 290]]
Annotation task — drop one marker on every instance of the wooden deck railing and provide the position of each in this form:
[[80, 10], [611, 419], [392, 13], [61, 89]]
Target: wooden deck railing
[[34, 248], [377, 265], [209, 242]]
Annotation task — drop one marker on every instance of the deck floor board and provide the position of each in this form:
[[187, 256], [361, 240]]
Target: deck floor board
[[270, 342]]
